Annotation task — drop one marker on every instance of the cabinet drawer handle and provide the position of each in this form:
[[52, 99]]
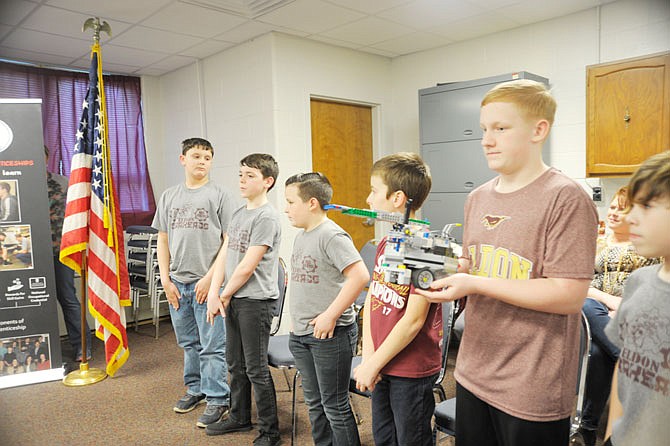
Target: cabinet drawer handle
[[467, 132], [469, 185]]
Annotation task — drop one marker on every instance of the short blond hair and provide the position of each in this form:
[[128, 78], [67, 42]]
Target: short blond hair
[[532, 98]]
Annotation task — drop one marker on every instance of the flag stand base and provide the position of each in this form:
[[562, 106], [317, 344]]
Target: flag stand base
[[84, 376]]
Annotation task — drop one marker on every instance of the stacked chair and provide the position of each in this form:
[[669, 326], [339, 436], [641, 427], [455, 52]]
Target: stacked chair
[[143, 270]]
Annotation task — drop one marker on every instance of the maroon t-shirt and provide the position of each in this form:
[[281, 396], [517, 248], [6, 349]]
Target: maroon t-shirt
[[521, 361], [388, 302]]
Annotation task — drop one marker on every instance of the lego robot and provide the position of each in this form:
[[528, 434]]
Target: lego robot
[[413, 253]]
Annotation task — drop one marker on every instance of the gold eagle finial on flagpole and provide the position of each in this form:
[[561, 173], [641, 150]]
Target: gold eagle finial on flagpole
[[96, 26]]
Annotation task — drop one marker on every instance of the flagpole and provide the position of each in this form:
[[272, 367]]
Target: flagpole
[[85, 375]]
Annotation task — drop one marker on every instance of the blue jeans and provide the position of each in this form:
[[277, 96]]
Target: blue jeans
[[603, 358], [325, 366], [205, 368], [67, 297], [248, 329], [402, 411]]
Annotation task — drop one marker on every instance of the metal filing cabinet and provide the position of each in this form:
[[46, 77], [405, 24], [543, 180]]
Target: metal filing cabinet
[[451, 145]]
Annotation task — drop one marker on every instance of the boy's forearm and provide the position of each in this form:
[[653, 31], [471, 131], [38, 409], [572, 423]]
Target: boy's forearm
[[357, 277], [217, 271], [163, 255], [243, 271], [550, 295], [368, 347]]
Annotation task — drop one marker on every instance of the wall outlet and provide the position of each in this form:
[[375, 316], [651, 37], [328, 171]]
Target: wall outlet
[[597, 193]]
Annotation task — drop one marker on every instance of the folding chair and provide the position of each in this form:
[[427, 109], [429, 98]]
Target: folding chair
[[279, 355], [141, 257]]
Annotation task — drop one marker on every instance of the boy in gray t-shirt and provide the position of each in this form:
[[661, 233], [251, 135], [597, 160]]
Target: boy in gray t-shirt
[[192, 218], [327, 274], [249, 262], [640, 398]]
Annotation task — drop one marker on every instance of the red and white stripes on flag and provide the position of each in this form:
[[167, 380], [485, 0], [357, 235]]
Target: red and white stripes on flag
[[92, 225]]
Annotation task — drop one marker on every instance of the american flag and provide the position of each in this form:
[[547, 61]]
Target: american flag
[[92, 231]]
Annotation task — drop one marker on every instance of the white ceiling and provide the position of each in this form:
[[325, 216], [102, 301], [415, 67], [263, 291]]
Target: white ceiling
[[154, 37]]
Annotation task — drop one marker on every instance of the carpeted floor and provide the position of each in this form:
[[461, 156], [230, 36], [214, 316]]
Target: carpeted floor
[[135, 407]]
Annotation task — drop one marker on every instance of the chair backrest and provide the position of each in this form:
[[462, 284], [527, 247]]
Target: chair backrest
[[368, 253], [450, 311], [282, 282], [585, 352]]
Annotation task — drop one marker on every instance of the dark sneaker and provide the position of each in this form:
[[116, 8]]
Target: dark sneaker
[[226, 426], [188, 402], [267, 440], [212, 414], [583, 437]]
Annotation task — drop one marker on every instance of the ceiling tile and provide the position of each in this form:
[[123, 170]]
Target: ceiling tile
[[25, 39], [206, 49], [476, 26], [149, 71], [368, 31], [13, 11], [244, 32], [531, 11], [369, 6], [371, 50], [155, 40], [108, 67], [33, 56], [171, 63], [422, 14], [412, 43], [129, 56], [4, 29], [67, 23], [310, 16], [335, 42], [192, 20], [131, 11]]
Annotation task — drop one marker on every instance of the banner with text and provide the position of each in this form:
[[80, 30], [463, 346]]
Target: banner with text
[[29, 334]]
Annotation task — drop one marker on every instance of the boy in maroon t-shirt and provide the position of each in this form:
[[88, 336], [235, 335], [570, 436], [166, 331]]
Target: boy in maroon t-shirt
[[401, 330], [528, 243]]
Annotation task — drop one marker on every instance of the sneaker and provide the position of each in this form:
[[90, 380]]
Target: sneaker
[[188, 402], [212, 414], [267, 440], [583, 437], [226, 426]]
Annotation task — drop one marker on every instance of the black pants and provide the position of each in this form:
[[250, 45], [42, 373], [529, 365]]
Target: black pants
[[247, 336], [480, 424]]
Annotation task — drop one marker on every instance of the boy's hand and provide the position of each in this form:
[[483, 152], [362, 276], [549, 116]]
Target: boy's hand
[[366, 377], [214, 306], [202, 288], [449, 289], [172, 294], [324, 326]]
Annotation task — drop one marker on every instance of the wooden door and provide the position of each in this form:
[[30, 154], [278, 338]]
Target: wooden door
[[342, 150], [628, 114]]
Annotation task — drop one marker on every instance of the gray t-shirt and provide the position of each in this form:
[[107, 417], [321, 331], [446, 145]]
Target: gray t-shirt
[[641, 329], [255, 227], [195, 221], [318, 259]]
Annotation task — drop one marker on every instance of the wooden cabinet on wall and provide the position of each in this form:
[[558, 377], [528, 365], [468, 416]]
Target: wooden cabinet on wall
[[628, 114]]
